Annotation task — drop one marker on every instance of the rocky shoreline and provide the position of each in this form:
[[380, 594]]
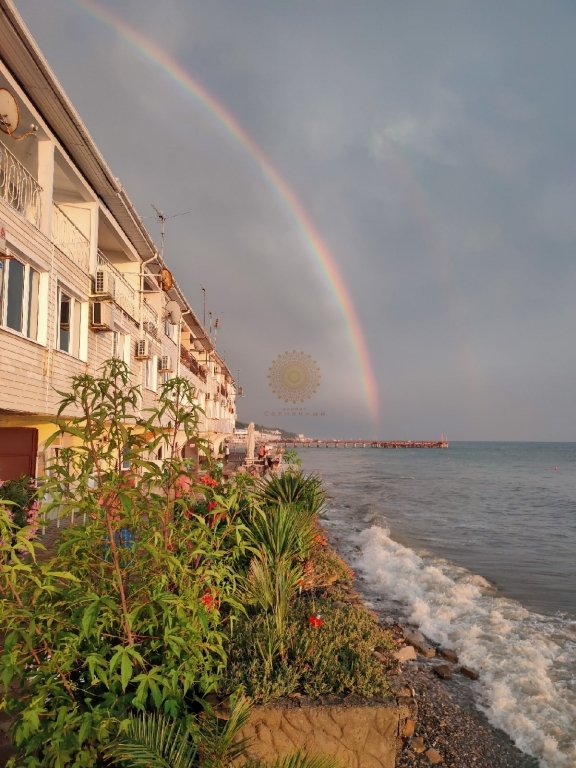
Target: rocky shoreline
[[446, 727]]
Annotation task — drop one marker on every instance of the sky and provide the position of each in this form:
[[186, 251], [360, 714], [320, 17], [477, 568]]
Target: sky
[[432, 146]]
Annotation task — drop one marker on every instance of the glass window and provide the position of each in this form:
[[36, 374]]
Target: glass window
[[151, 366], [33, 291], [15, 295], [64, 322], [115, 344]]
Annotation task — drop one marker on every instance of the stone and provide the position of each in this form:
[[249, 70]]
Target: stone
[[405, 654], [378, 656], [408, 729], [434, 756], [418, 744], [470, 673], [443, 671], [449, 655], [417, 640]]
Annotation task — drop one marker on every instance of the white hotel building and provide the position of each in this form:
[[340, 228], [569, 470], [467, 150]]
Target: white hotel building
[[79, 273]]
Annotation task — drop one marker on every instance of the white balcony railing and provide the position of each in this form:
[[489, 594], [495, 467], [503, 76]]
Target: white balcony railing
[[19, 188], [125, 295], [69, 239], [150, 321]]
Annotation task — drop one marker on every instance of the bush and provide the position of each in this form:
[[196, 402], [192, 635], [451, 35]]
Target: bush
[[334, 658], [132, 612]]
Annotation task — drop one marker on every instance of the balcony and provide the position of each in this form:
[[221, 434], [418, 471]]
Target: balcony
[[69, 239], [150, 321], [125, 295], [193, 365], [19, 188]]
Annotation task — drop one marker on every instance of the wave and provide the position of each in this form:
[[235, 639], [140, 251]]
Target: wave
[[527, 661]]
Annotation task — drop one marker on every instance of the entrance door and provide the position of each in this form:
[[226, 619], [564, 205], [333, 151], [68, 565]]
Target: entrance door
[[18, 448]]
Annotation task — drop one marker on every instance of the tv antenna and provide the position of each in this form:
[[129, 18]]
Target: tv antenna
[[162, 218]]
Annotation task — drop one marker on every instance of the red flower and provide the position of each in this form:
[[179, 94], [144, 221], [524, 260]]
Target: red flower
[[210, 603], [212, 505], [207, 480], [315, 621]]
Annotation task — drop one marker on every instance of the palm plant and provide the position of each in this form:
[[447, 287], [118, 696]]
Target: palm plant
[[285, 531], [153, 741], [294, 487]]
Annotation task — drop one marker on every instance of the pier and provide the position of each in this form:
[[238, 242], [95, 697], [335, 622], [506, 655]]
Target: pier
[[396, 444]]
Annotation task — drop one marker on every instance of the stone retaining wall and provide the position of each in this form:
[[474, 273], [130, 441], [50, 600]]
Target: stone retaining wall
[[360, 736]]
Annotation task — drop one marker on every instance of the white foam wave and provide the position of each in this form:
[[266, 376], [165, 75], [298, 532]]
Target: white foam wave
[[527, 662]]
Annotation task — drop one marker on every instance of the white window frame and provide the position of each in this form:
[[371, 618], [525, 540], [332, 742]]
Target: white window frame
[[80, 344], [42, 301], [151, 373]]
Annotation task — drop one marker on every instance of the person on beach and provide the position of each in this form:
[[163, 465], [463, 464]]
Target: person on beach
[[226, 453], [262, 454]]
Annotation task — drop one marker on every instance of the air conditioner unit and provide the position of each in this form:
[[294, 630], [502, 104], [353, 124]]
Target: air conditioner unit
[[104, 284], [101, 316], [165, 364], [143, 349]]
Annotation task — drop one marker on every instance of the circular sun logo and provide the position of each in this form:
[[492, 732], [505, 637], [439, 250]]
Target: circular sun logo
[[294, 377]]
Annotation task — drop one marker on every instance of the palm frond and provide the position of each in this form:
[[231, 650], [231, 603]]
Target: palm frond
[[153, 741], [300, 759], [219, 743]]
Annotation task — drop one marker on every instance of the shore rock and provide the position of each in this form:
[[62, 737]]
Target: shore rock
[[443, 671], [408, 729], [434, 756], [405, 654], [417, 640], [418, 745], [470, 673], [449, 655]]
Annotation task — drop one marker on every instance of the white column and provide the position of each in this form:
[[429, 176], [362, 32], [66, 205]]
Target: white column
[[46, 181]]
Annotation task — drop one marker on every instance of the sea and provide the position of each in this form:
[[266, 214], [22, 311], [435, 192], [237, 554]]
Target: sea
[[475, 545]]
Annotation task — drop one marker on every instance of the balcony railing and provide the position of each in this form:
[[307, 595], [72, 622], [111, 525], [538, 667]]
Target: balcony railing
[[125, 295], [150, 321], [192, 364], [69, 239], [19, 188]]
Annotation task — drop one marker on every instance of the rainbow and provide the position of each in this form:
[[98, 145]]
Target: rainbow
[[313, 240]]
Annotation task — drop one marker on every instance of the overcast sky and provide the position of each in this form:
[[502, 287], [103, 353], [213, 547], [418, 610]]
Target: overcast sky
[[432, 145]]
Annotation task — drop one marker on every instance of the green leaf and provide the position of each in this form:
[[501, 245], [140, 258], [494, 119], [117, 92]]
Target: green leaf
[[126, 668]]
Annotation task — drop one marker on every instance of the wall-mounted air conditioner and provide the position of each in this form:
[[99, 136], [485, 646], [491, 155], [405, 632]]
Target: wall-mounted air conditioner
[[165, 364], [103, 284], [101, 316], [143, 349]]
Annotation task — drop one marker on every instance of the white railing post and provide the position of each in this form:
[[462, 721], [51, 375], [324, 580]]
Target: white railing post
[[19, 188]]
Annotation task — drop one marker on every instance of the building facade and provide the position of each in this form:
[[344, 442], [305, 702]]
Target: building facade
[[81, 280]]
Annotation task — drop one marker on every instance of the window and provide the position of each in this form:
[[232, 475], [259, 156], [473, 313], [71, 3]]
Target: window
[[151, 373], [19, 297], [64, 322], [71, 324]]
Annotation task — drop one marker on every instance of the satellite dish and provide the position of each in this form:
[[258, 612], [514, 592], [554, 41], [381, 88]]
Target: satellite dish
[[10, 115], [9, 112], [173, 312], [165, 279]]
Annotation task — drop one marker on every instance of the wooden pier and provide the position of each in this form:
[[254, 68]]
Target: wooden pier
[[398, 444]]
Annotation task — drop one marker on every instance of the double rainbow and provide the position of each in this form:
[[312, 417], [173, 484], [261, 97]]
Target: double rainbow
[[287, 196]]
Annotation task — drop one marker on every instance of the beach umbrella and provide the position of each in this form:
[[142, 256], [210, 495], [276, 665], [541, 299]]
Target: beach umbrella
[[250, 443]]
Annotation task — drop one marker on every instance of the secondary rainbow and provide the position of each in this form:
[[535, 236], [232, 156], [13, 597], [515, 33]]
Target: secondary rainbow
[[288, 197]]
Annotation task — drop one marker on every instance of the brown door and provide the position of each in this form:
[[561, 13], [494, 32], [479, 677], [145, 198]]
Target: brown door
[[18, 448]]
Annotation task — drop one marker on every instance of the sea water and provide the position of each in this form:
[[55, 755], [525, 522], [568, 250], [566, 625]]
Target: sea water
[[476, 546]]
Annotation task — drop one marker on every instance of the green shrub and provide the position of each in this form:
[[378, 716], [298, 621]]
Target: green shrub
[[335, 658], [295, 488], [133, 611]]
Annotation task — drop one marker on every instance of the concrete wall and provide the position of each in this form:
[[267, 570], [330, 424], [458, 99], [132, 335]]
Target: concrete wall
[[360, 736]]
